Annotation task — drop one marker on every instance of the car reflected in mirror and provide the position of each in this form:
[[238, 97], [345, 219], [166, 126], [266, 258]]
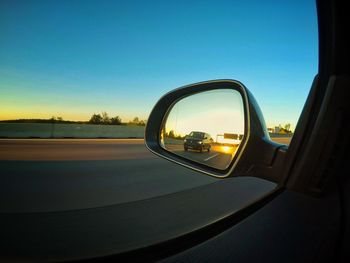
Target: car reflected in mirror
[[207, 127]]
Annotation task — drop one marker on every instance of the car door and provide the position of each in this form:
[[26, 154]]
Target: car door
[[304, 219]]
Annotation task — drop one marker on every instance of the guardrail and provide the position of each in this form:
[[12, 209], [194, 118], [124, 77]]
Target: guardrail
[[55, 130]]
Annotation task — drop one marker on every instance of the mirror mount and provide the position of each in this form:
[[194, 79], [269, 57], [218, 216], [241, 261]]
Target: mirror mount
[[269, 157]]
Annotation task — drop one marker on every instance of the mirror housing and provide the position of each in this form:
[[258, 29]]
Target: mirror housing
[[257, 154]]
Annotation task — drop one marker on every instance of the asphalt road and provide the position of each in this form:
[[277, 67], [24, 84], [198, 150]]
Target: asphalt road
[[213, 158], [216, 157], [42, 175]]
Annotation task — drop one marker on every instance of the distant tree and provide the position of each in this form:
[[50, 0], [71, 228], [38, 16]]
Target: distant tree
[[171, 134], [137, 121], [142, 123], [96, 119], [105, 118], [116, 120], [287, 127], [55, 119]]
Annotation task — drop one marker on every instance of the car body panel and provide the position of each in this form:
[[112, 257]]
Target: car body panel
[[115, 229]]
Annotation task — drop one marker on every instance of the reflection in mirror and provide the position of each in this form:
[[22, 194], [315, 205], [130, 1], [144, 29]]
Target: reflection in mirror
[[206, 127]]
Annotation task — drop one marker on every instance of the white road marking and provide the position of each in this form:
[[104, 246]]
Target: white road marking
[[211, 157]]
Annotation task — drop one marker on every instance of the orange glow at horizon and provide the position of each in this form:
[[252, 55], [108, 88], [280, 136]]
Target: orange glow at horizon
[[16, 114], [43, 115]]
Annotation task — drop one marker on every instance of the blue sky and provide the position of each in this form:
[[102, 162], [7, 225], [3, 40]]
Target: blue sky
[[74, 58]]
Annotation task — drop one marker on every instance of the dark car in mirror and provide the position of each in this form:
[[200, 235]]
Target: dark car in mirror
[[199, 141]]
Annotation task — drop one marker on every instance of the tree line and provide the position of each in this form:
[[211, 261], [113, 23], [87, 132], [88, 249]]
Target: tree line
[[105, 119], [101, 119], [285, 128]]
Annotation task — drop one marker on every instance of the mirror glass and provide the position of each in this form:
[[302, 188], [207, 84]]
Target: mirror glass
[[206, 127]]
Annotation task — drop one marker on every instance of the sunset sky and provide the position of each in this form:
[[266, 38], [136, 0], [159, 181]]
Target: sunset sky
[[76, 58], [213, 112]]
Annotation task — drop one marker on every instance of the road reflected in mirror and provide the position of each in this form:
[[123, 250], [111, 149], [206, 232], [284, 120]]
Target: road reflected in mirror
[[207, 127]]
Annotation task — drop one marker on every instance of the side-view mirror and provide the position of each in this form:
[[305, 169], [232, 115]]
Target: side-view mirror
[[227, 113], [219, 113]]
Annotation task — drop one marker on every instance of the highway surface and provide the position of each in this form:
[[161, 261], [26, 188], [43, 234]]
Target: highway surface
[[65, 174], [214, 157], [42, 175]]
